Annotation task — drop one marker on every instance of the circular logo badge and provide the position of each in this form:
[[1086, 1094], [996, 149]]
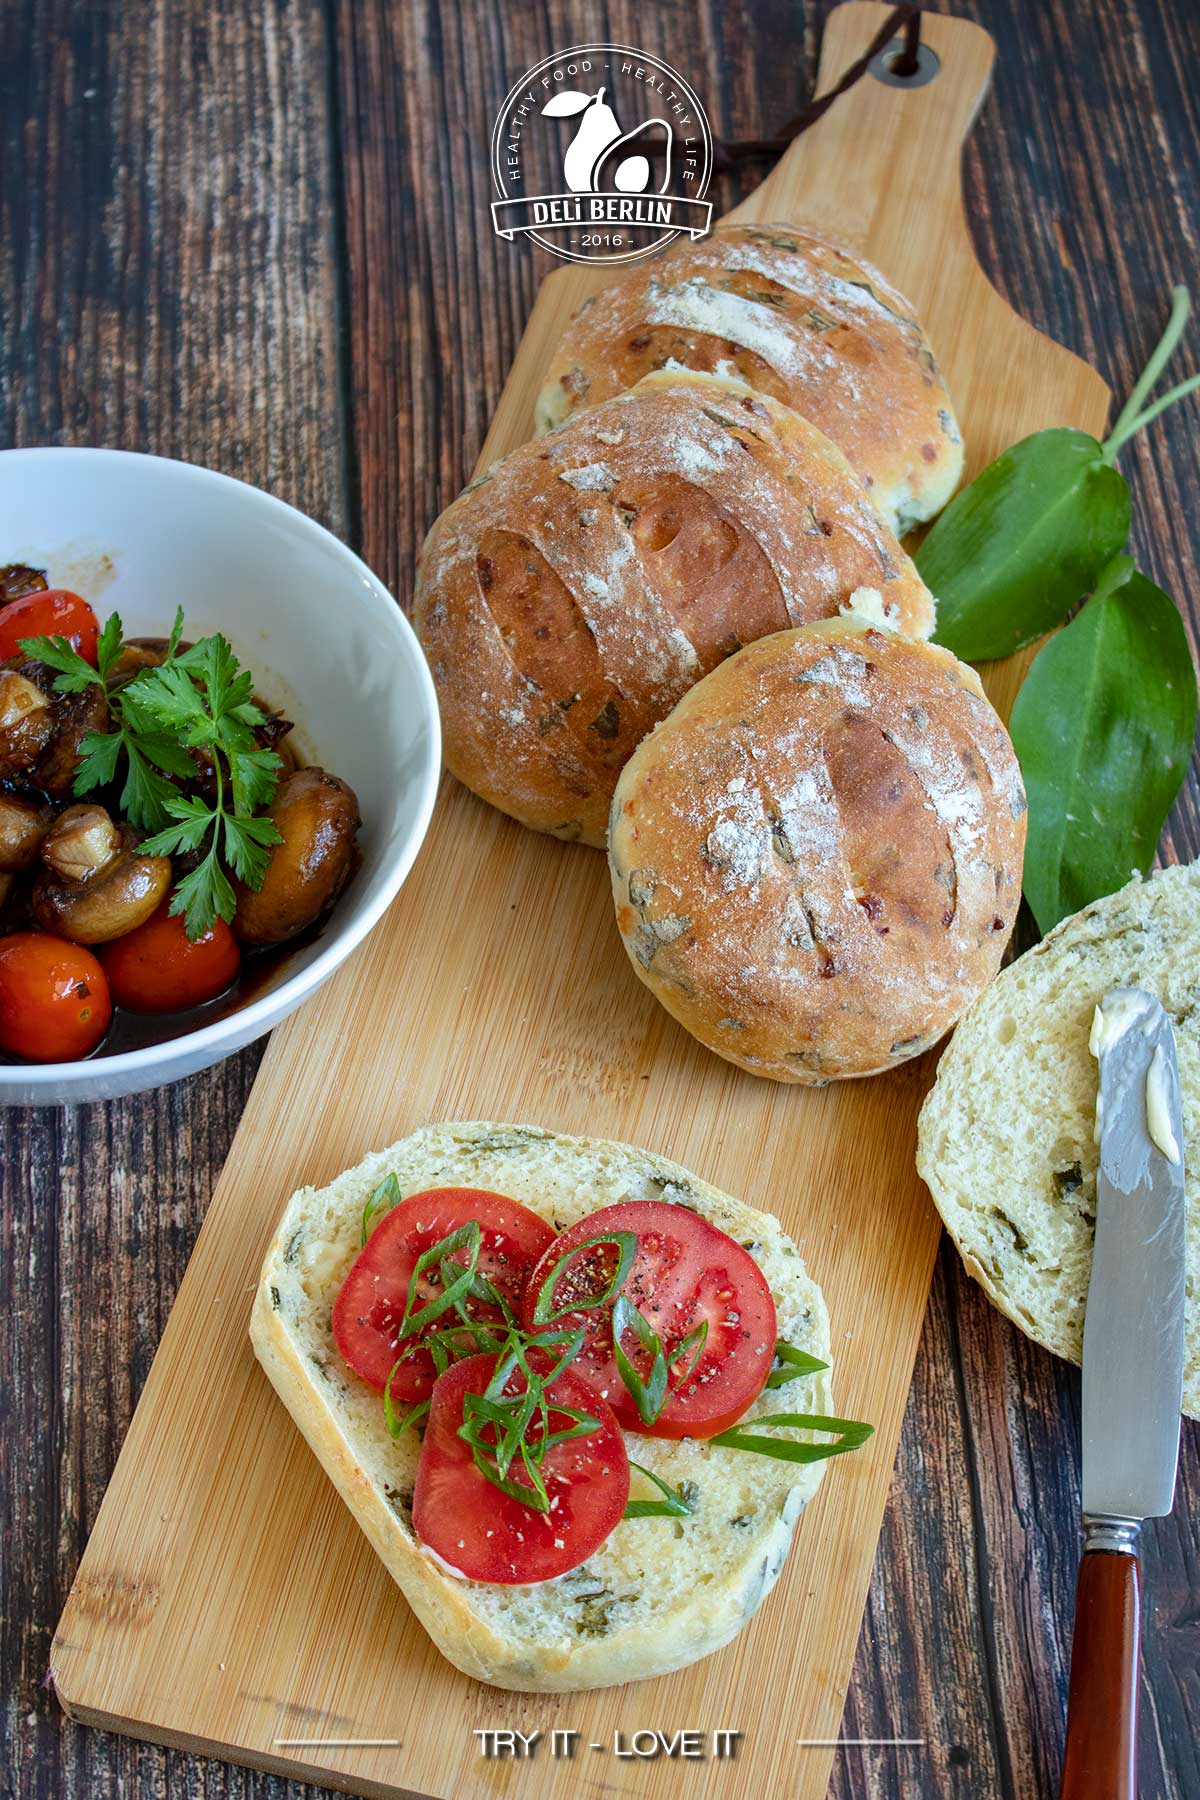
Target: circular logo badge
[[601, 153]]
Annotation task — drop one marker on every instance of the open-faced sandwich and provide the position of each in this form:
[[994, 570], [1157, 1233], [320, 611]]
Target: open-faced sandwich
[[576, 1398]]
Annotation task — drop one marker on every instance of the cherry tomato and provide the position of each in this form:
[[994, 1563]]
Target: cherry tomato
[[685, 1274], [55, 612], [154, 968], [368, 1310], [54, 1001], [489, 1535]]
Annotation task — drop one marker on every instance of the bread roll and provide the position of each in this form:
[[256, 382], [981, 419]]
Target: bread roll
[[1006, 1139], [816, 860], [569, 598], [796, 317]]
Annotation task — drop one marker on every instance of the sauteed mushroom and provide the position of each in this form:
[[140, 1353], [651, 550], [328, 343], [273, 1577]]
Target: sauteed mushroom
[[72, 717], [317, 816], [95, 885], [26, 723], [23, 825]]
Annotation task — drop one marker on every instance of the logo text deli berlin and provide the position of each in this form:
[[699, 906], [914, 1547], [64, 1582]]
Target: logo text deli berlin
[[601, 154]]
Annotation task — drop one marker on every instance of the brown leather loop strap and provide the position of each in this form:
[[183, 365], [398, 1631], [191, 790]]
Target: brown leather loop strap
[[906, 19]]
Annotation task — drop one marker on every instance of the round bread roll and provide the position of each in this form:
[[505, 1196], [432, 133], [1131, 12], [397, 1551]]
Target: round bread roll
[[816, 860], [796, 317], [571, 596]]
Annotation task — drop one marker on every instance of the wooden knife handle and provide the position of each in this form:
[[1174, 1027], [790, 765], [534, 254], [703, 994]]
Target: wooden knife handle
[[1101, 1758]]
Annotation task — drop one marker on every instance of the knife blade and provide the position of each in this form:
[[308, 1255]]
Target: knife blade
[[1133, 1350], [1133, 1334]]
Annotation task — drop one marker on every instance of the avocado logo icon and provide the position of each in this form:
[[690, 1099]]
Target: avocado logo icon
[[598, 143], [601, 153]]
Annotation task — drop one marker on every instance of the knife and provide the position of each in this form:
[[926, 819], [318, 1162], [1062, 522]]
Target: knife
[[1133, 1349]]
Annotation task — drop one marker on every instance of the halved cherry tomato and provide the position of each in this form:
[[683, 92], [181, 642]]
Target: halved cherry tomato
[[368, 1311], [154, 968], [488, 1535], [54, 1001], [55, 612], [685, 1273]]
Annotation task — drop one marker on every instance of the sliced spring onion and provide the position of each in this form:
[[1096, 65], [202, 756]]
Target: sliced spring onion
[[850, 1433]]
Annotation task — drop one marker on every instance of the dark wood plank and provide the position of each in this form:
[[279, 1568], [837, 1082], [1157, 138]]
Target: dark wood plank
[[168, 282], [180, 185]]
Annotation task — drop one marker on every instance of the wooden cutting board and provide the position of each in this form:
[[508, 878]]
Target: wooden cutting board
[[226, 1602]]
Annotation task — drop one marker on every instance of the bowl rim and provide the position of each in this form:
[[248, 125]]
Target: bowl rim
[[265, 1011]]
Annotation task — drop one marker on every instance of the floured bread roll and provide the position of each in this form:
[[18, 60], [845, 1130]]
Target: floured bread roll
[[816, 860], [794, 316], [572, 595]]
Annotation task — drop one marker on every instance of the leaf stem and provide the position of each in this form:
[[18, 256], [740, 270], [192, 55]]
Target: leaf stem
[[1131, 417]]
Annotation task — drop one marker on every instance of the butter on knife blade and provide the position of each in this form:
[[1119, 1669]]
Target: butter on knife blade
[[1133, 1342]]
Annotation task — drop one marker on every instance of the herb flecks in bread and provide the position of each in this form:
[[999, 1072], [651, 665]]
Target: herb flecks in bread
[[797, 317], [1006, 1140], [661, 1591], [568, 599], [816, 860]]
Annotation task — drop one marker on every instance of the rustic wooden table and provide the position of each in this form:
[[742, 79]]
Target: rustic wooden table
[[256, 237]]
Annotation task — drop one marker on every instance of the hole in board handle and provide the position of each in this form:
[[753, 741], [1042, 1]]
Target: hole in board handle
[[895, 68]]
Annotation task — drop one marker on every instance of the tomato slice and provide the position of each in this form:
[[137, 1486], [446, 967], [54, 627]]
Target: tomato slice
[[368, 1310], [487, 1534], [52, 612], [685, 1273]]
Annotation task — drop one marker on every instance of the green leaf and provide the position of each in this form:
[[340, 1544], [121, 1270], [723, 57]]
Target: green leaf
[[145, 796], [1017, 549], [203, 897], [1103, 729], [245, 843], [109, 644], [850, 1435], [673, 1504], [255, 776], [99, 754], [74, 673]]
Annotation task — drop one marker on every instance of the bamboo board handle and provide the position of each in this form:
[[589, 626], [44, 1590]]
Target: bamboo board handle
[[1101, 1756]]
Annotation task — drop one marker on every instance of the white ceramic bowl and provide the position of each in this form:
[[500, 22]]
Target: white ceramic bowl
[[325, 640]]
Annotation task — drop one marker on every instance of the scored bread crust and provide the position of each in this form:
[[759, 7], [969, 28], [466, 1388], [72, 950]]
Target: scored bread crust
[[659, 1593], [1005, 1140], [570, 596], [795, 316], [816, 860]]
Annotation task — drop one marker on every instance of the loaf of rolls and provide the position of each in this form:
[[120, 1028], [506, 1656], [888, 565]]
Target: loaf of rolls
[[816, 860], [795, 317], [575, 592]]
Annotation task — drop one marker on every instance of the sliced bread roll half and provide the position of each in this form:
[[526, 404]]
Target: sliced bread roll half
[[575, 592], [660, 1592], [1006, 1138], [797, 317]]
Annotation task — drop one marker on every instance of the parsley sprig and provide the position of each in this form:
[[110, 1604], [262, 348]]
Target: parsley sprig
[[198, 700]]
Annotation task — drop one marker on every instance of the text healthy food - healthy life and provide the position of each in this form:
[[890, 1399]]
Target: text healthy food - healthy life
[[1104, 723]]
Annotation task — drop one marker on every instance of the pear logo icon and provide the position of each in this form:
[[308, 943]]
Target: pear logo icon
[[588, 189]]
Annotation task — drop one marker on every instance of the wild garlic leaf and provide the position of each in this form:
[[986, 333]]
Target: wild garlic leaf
[[1103, 729], [1017, 549]]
